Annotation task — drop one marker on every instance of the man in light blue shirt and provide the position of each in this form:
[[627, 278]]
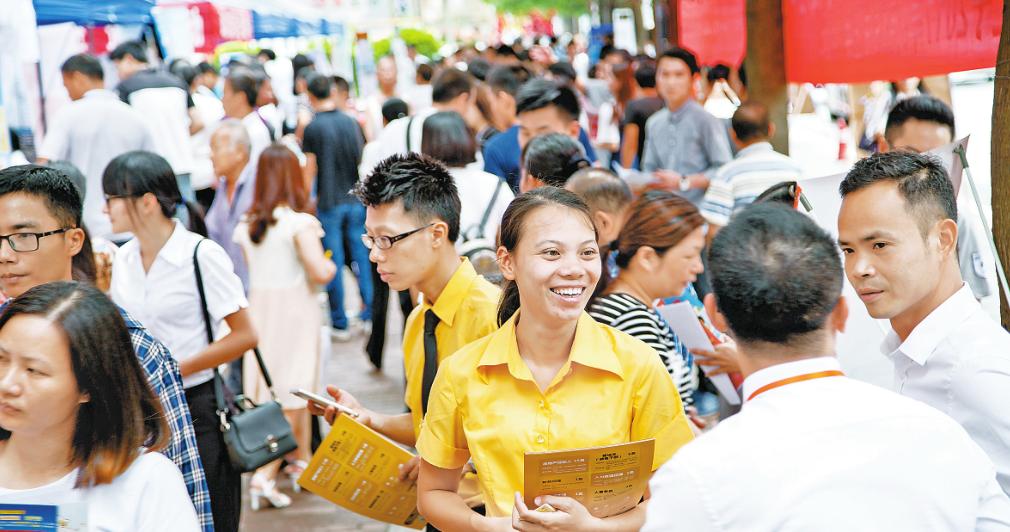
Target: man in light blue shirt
[[685, 145]]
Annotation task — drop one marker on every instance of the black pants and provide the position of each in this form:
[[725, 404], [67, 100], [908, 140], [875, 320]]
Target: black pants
[[224, 483], [380, 307]]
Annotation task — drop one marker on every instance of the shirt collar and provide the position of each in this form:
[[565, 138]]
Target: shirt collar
[[928, 334], [175, 250], [766, 376], [454, 293], [592, 348], [680, 112], [100, 93], [757, 147]]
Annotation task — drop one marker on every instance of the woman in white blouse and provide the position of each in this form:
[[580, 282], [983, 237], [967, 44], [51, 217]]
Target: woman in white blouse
[[154, 279], [78, 423]]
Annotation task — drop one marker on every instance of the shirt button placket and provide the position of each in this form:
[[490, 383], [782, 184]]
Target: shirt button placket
[[543, 425]]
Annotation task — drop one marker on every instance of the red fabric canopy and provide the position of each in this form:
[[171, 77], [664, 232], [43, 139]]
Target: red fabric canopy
[[850, 41]]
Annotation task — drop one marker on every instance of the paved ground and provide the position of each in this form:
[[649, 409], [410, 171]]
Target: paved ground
[[347, 366]]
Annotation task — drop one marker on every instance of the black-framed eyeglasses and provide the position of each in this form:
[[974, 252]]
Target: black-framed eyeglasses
[[386, 242], [26, 242]]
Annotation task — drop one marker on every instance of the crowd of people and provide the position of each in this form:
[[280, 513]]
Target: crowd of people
[[530, 212]]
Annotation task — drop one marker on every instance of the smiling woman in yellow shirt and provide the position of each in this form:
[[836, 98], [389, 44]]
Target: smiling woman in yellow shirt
[[550, 379]]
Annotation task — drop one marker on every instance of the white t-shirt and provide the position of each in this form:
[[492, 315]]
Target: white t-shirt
[[150, 496], [476, 188], [166, 300]]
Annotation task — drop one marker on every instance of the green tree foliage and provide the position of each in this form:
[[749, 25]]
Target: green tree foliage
[[426, 43], [521, 7]]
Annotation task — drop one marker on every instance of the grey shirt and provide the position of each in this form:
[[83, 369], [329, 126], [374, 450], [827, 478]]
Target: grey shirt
[[688, 141]]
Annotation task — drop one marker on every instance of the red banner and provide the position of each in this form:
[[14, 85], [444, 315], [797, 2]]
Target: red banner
[[851, 41], [715, 30]]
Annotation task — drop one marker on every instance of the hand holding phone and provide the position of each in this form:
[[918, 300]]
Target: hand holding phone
[[323, 402]]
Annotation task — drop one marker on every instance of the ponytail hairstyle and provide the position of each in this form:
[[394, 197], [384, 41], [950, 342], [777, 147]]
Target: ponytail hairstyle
[[553, 158], [279, 182], [657, 219], [513, 228], [136, 173]]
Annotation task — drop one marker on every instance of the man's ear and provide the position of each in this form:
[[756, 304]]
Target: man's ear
[[439, 234], [75, 241], [713, 313], [947, 237], [574, 129], [505, 264], [771, 129], [603, 222], [840, 315], [882, 145], [528, 182]]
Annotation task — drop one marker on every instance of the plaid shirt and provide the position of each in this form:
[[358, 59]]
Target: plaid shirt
[[163, 376]]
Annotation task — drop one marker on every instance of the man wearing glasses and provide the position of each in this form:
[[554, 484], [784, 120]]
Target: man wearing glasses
[[40, 233], [411, 223]]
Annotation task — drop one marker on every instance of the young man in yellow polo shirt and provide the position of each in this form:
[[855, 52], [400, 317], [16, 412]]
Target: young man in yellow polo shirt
[[411, 223]]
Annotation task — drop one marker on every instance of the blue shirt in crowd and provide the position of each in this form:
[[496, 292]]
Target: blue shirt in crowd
[[502, 154]]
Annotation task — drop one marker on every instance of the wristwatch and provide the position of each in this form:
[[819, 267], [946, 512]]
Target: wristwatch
[[685, 183]]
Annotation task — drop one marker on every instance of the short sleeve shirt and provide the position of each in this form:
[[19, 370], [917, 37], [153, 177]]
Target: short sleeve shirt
[[336, 141], [486, 406], [165, 298]]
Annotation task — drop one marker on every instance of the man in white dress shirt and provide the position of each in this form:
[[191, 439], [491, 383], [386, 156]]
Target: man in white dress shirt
[[898, 230], [812, 449]]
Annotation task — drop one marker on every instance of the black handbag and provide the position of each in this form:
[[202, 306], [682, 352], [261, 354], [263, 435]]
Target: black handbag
[[255, 435]]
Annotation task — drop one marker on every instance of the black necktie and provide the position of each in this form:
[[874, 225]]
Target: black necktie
[[430, 357]]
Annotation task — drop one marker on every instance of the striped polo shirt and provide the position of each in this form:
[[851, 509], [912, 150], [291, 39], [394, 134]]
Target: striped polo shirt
[[738, 182]]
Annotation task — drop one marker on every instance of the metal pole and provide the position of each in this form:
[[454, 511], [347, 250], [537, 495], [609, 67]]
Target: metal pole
[[959, 150]]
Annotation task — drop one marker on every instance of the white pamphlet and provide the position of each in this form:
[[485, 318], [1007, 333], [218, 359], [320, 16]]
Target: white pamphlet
[[685, 324]]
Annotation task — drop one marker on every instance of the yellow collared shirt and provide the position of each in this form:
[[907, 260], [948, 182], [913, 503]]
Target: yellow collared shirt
[[467, 310], [485, 405]]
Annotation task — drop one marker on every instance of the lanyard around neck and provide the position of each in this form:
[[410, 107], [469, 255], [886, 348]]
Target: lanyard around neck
[[797, 378]]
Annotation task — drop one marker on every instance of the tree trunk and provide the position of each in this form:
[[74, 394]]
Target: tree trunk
[[766, 68], [1000, 153]]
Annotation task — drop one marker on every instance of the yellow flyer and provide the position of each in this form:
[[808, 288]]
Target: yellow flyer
[[607, 480], [356, 468]]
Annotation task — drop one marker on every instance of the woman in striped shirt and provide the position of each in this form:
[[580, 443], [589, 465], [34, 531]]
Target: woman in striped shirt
[[658, 256]]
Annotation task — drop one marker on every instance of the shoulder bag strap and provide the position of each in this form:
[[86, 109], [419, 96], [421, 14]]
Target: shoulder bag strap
[[218, 381], [490, 206], [410, 122]]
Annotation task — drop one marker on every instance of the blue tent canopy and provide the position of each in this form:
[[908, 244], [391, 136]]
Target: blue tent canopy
[[95, 12]]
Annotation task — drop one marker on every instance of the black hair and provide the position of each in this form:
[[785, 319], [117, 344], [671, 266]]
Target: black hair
[[776, 275], [86, 64], [683, 55], [394, 108], [508, 78], [479, 68], [121, 414], [563, 69], [245, 81], [446, 137], [187, 73], [553, 158], [49, 184], [76, 176], [750, 121], [922, 181], [319, 85], [422, 184], [645, 74], [300, 61], [504, 50], [206, 68], [425, 72], [134, 49], [341, 84], [718, 72], [136, 173], [513, 226], [538, 93], [921, 107], [268, 53], [450, 83]]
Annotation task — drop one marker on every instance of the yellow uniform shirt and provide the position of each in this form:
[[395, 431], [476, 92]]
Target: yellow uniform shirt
[[485, 405], [467, 310]]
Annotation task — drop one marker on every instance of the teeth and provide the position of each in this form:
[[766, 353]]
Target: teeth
[[567, 291]]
